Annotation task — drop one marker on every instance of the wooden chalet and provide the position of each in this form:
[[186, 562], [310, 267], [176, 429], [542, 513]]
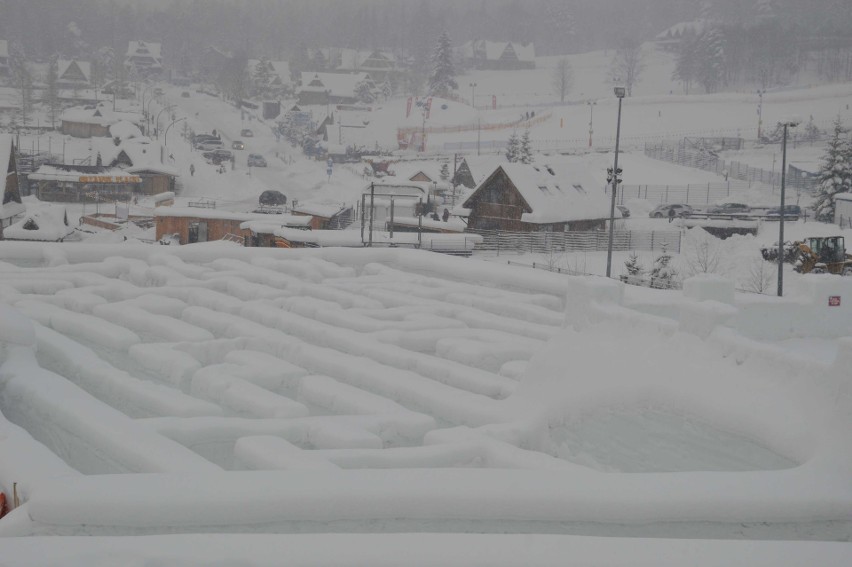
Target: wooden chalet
[[143, 58], [92, 121], [11, 207], [83, 183], [499, 55], [330, 88], [73, 74], [533, 198]]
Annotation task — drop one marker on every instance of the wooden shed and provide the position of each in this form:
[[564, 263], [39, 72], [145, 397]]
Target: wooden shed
[[531, 198]]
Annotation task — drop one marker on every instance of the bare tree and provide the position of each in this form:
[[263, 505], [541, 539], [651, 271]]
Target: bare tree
[[563, 78], [704, 258], [628, 63], [760, 275]]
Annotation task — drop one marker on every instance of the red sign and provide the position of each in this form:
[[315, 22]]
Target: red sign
[[834, 301]]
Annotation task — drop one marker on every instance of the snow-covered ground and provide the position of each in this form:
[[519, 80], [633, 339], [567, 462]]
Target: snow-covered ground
[[216, 405]]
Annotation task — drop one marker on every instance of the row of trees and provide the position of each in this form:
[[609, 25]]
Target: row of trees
[[768, 53]]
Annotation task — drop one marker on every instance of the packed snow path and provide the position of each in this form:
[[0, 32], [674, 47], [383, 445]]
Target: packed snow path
[[348, 391]]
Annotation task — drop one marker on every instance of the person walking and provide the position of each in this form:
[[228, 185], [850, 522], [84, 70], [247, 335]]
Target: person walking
[[191, 169]]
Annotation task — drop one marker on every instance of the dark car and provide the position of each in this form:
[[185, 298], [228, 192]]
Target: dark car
[[664, 211], [238, 145], [790, 211], [218, 156], [625, 212], [273, 198], [729, 209], [246, 133], [256, 160], [185, 94]]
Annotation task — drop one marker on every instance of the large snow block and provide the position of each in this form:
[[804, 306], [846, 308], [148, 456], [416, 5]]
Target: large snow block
[[584, 294], [822, 309], [700, 318], [704, 287], [15, 328]]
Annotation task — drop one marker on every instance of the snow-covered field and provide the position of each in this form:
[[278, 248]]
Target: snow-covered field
[[217, 405]]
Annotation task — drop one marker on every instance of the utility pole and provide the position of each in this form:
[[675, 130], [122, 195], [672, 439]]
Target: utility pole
[[619, 93]]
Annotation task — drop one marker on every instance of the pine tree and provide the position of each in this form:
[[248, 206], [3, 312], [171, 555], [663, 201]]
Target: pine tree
[[711, 59], [445, 172], [513, 148], [633, 266], [686, 62], [835, 174], [364, 92], [442, 80], [663, 274], [261, 75], [525, 148]]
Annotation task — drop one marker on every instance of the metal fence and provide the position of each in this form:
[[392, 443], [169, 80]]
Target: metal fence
[[696, 194], [576, 241], [684, 154]]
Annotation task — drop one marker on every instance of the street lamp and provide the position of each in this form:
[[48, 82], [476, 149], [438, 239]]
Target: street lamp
[[591, 104], [619, 93], [472, 94], [148, 116], [166, 135], [157, 129], [759, 113], [791, 123]]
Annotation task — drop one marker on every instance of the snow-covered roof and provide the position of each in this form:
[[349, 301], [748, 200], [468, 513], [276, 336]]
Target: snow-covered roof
[[84, 66], [493, 50], [340, 84], [48, 223], [394, 185], [843, 196], [74, 173], [454, 224], [102, 115], [164, 196], [202, 213], [148, 155], [124, 130], [143, 48], [323, 210], [430, 168], [273, 222], [556, 193]]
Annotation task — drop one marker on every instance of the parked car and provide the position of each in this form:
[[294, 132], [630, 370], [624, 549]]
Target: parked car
[[238, 145], [246, 133], [209, 145], [625, 212], [185, 94], [729, 209], [219, 154], [790, 211], [256, 160], [664, 211]]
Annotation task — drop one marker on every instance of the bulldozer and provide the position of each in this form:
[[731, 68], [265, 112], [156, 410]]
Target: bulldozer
[[823, 255]]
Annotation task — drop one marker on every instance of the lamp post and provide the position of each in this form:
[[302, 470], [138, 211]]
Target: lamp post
[[472, 94], [166, 135], [619, 93], [591, 104], [148, 116], [792, 123], [157, 123], [759, 114], [327, 103]]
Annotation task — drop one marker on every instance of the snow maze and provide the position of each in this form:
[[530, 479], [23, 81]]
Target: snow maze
[[217, 389]]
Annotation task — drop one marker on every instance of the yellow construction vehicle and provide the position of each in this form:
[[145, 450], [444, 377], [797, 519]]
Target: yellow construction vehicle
[[823, 254]]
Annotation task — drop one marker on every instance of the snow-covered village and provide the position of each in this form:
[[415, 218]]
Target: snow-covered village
[[426, 283]]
